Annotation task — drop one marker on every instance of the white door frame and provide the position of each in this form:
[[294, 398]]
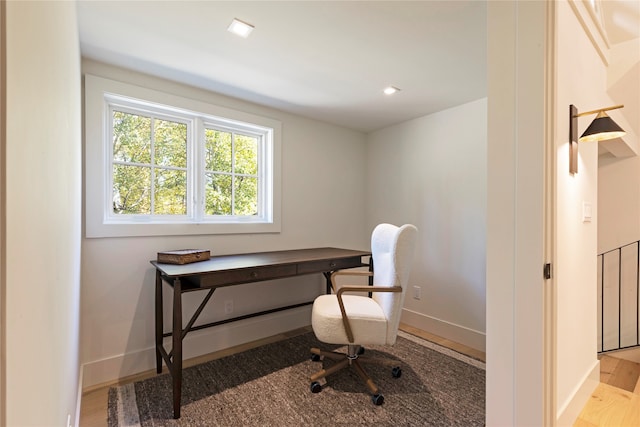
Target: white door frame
[[520, 322], [3, 145]]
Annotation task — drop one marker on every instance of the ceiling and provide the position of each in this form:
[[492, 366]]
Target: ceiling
[[621, 19], [328, 60]]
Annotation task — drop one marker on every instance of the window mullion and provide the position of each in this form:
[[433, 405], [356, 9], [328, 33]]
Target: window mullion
[[197, 169], [233, 173], [152, 157]]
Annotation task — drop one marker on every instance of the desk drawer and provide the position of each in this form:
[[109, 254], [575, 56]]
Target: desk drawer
[[256, 274], [329, 265]]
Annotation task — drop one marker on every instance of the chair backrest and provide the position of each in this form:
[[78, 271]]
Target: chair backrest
[[392, 251]]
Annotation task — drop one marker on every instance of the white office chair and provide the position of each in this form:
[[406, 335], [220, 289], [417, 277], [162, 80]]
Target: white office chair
[[356, 320]]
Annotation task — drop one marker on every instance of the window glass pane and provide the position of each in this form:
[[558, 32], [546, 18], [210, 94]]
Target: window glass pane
[[217, 194], [131, 138], [170, 143], [246, 196], [246, 154], [131, 190], [170, 196], [217, 150]]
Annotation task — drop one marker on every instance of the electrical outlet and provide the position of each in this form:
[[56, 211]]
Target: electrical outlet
[[228, 306], [417, 292]]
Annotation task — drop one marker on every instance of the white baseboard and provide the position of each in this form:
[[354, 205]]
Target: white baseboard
[[197, 343], [76, 421], [442, 328], [569, 411]]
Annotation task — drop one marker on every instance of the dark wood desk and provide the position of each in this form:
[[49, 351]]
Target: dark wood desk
[[231, 270]]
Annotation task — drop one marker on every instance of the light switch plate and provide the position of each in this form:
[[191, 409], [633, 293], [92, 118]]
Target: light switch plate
[[586, 212]]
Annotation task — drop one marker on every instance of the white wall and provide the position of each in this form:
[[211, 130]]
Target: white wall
[[43, 213], [323, 204], [432, 172], [619, 177], [618, 203], [581, 80]]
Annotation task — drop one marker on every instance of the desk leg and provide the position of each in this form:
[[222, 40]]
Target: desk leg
[[177, 347], [327, 276], [159, 321]]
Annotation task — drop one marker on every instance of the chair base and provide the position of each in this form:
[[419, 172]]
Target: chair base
[[351, 359]]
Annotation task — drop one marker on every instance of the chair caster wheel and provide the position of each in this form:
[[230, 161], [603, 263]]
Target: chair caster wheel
[[361, 351], [316, 387], [315, 357], [396, 372], [377, 399]]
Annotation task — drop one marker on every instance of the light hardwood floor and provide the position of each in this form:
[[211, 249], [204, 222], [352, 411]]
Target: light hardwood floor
[[616, 400], [609, 405]]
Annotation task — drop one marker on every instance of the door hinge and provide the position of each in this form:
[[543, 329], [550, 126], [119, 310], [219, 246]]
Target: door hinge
[[547, 271]]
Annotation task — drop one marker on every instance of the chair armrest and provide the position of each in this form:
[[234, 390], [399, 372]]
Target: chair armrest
[[348, 273], [345, 318]]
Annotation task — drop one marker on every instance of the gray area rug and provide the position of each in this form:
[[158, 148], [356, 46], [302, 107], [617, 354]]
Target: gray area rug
[[269, 386]]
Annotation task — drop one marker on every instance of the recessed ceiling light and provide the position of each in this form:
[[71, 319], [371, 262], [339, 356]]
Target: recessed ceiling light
[[240, 28], [391, 90]]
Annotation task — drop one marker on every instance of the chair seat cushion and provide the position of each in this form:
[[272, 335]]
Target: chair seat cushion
[[367, 320]]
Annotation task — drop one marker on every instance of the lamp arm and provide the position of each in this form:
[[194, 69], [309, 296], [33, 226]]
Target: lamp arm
[[586, 113]]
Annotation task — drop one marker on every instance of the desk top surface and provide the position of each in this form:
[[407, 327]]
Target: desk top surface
[[257, 259]]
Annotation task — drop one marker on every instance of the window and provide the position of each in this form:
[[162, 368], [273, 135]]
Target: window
[[157, 173], [183, 167], [148, 164]]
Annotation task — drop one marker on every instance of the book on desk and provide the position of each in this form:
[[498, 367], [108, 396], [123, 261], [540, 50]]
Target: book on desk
[[183, 256]]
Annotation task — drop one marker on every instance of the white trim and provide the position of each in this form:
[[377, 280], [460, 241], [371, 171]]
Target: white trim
[[592, 26], [442, 328], [197, 343], [444, 350], [594, 8], [570, 410], [95, 128], [3, 213], [76, 421], [549, 346], [515, 212]]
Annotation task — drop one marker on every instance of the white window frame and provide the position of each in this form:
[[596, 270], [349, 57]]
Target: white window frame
[[130, 106], [102, 95]]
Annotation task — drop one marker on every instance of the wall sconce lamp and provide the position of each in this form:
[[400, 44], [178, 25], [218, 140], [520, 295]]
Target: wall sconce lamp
[[601, 129]]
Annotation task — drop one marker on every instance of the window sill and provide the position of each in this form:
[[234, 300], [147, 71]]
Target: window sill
[[182, 229]]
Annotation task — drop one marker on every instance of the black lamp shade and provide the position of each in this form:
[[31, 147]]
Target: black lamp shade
[[602, 128]]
